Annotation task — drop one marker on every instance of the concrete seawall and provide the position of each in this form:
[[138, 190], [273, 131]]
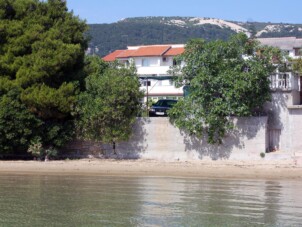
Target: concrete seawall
[[156, 138]]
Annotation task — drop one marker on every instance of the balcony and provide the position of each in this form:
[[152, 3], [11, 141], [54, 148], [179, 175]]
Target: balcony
[[147, 70], [283, 81]]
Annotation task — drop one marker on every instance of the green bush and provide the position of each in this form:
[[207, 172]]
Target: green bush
[[50, 152], [35, 148], [17, 125]]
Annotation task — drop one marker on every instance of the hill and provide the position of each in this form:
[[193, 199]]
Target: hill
[[105, 38]]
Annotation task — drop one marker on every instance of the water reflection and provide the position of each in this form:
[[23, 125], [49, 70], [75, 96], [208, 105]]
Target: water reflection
[[271, 202], [147, 201]]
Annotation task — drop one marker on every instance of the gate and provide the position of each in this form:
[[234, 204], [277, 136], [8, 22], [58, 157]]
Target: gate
[[274, 139]]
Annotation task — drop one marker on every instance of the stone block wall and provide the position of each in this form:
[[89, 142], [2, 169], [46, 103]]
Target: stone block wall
[[81, 149]]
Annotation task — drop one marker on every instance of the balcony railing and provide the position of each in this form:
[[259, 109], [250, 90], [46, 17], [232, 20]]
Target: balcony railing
[[281, 81]]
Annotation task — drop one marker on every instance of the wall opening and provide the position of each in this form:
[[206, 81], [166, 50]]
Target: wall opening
[[300, 89], [274, 139]]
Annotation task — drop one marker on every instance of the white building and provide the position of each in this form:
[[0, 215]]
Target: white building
[[152, 63], [283, 130], [290, 45], [285, 110], [156, 138]]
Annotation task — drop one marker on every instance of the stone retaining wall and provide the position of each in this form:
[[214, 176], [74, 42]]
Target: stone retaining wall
[[157, 138]]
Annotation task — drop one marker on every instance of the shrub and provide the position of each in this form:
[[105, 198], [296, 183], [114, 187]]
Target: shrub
[[35, 148], [51, 152]]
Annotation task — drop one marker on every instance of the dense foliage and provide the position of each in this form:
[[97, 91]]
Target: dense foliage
[[17, 124], [110, 104], [225, 78], [41, 57], [297, 65]]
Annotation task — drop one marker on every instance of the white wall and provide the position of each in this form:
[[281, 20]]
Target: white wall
[[285, 115], [157, 138], [156, 66], [295, 114], [278, 119], [155, 90]]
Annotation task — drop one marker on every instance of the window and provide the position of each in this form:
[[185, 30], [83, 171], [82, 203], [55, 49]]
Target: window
[[176, 62], [145, 83], [145, 62], [297, 51], [165, 59], [126, 62]]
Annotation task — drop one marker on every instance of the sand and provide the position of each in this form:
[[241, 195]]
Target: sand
[[285, 169]]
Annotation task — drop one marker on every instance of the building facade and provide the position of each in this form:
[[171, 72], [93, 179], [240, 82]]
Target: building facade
[[290, 45], [153, 63], [284, 112], [285, 109]]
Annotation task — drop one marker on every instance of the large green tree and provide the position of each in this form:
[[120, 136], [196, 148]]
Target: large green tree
[[41, 56], [225, 79], [110, 104], [17, 124]]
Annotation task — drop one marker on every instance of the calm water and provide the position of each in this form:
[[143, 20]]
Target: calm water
[[147, 201]]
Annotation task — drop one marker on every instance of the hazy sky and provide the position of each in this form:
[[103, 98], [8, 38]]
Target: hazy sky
[[108, 11]]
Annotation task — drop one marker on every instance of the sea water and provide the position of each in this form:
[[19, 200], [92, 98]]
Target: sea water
[[63, 200]]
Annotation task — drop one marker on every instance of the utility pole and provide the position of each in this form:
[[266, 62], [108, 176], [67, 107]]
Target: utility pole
[[147, 108]]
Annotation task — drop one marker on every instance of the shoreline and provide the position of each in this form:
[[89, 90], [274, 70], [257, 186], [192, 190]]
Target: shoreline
[[221, 169]]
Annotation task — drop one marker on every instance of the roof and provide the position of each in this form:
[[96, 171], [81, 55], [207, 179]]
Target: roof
[[150, 51], [175, 51], [145, 51], [284, 43], [126, 54], [112, 56]]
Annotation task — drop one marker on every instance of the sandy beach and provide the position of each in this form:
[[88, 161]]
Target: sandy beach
[[206, 169]]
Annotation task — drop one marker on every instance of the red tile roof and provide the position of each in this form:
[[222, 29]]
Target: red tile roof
[[145, 51], [112, 56], [175, 51], [126, 54], [150, 51]]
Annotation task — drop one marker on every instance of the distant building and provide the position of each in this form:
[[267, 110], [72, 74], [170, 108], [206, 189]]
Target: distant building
[[285, 110], [279, 131], [152, 63], [291, 45]]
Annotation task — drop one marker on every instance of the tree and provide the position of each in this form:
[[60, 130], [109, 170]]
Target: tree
[[42, 55], [17, 124], [297, 65], [226, 78], [110, 105]]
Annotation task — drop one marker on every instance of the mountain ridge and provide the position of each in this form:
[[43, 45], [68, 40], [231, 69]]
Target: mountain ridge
[[106, 38]]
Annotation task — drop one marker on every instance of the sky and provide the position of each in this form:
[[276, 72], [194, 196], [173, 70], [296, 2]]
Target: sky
[[109, 11]]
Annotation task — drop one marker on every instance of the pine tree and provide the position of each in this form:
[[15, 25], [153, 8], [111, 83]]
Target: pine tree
[[42, 48]]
